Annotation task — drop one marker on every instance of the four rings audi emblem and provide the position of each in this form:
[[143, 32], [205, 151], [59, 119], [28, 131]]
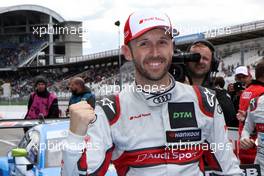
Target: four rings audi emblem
[[162, 98]]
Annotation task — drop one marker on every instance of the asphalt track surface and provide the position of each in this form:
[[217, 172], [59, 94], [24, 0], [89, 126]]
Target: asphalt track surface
[[14, 136], [9, 137]]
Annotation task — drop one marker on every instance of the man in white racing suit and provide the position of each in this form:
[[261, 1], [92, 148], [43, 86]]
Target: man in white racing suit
[[156, 127], [255, 119]]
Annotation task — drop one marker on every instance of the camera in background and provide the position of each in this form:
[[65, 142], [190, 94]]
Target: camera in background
[[239, 86], [178, 67]]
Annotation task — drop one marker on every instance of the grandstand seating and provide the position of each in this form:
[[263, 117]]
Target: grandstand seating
[[14, 53], [22, 84], [101, 80], [230, 62]]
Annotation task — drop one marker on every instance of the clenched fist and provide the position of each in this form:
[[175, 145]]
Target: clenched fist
[[247, 143], [81, 115]]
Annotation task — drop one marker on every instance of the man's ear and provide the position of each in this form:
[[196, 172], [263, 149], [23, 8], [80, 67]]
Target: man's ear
[[127, 52]]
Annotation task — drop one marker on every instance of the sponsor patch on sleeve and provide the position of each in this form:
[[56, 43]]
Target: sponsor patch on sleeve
[[246, 95], [207, 99], [111, 107], [253, 104]]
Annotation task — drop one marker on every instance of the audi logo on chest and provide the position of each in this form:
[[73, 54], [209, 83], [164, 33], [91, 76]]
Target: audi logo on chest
[[162, 98]]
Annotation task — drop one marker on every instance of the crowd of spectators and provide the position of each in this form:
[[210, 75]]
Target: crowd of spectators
[[92, 76], [22, 83], [229, 70], [14, 51]]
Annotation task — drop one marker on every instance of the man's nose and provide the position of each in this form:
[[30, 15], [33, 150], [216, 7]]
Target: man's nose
[[202, 60], [155, 51]]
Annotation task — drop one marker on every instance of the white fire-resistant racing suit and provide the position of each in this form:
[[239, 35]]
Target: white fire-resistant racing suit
[[154, 135], [255, 119]]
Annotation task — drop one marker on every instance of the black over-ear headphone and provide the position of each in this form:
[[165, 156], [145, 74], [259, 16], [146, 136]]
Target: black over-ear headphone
[[215, 59]]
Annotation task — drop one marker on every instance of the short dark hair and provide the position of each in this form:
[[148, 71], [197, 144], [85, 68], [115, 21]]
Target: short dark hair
[[259, 71], [219, 80]]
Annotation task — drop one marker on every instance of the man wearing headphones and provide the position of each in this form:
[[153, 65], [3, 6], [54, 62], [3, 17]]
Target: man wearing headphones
[[204, 72], [201, 73]]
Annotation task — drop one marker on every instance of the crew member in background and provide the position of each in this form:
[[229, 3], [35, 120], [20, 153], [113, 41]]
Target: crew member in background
[[203, 73], [255, 120], [254, 89], [42, 103], [243, 78], [227, 104], [80, 92]]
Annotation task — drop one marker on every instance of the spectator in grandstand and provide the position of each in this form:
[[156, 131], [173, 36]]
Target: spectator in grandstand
[[13, 53], [254, 89], [203, 73], [80, 92], [135, 128], [42, 104]]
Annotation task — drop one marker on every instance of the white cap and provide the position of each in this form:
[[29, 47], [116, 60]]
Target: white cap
[[242, 70], [142, 21]]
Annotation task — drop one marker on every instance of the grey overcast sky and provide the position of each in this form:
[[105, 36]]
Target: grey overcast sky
[[189, 16]]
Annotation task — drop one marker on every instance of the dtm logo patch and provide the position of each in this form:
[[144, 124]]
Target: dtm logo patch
[[182, 115], [184, 135]]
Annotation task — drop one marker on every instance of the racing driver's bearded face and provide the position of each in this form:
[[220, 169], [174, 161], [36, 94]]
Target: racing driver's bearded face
[[152, 54]]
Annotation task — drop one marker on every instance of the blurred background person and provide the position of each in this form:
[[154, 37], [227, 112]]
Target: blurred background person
[[243, 78], [80, 92], [42, 103], [254, 120], [203, 73], [223, 96], [254, 89]]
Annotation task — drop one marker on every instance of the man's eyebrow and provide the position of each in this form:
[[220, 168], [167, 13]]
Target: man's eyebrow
[[146, 39], [165, 37], [140, 40]]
